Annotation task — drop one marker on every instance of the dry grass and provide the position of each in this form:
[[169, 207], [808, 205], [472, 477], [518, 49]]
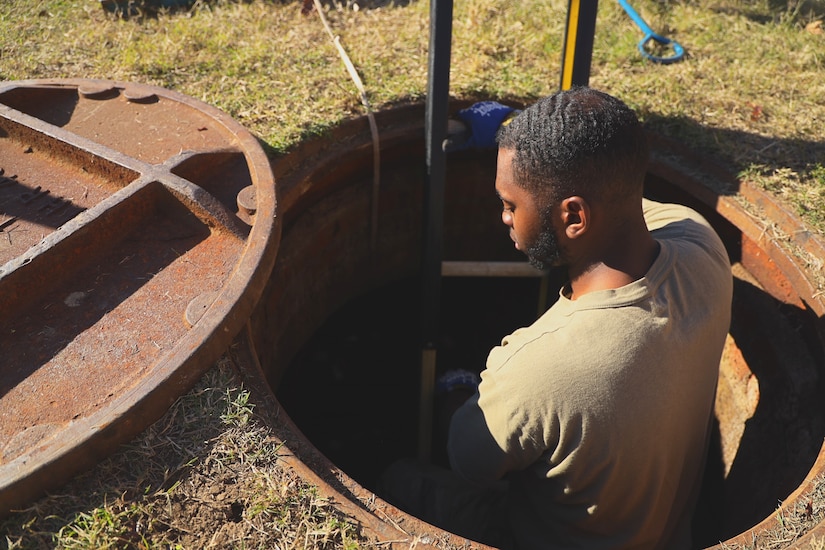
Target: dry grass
[[750, 94], [206, 475]]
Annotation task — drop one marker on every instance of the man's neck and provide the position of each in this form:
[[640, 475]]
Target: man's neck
[[614, 266]]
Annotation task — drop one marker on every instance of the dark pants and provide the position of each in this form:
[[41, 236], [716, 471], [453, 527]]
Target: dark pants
[[444, 499]]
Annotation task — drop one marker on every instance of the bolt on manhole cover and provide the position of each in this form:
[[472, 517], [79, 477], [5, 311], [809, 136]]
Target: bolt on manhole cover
[[130, 256]]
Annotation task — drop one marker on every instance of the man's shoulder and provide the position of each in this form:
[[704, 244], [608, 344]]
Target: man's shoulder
[[531, 354], [681, 224], [660, 215]]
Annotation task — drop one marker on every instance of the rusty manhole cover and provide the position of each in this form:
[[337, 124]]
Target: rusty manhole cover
[[137, 231]]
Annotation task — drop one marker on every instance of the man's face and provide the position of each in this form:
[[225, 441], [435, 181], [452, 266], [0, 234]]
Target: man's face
[[530, 226]]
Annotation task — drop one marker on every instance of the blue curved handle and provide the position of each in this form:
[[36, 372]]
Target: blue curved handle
[[678, 50]]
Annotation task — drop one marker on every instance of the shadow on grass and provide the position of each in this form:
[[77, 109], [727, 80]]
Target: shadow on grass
[[151, 8], [737, 150], [779, 11]]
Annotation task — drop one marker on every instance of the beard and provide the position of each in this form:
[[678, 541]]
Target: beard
[[544, 252]]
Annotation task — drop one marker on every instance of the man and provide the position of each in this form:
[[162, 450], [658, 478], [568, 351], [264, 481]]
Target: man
[[591, 425]]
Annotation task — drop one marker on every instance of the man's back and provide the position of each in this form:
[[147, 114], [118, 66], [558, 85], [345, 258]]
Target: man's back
[[600, 410]]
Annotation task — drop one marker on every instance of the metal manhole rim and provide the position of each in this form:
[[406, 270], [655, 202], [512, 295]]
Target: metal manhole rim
[[727, 206]]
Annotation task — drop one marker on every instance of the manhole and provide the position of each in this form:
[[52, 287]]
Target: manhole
[[333, 293], [127, 264]]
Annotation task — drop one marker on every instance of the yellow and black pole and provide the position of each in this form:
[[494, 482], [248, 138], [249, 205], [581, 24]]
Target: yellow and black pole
[[577, 50]]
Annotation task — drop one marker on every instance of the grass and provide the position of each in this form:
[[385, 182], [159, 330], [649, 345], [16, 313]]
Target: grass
[[750, 94], [206, 475]]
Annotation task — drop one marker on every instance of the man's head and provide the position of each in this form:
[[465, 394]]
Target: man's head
[[578, 149]]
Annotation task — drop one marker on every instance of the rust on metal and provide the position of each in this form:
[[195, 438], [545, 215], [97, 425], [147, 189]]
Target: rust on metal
[[247, 201], [124, 273]]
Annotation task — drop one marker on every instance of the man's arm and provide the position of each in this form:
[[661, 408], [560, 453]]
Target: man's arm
[[471, 448]]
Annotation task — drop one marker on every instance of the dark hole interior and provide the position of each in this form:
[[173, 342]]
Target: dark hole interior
[[354, 387]]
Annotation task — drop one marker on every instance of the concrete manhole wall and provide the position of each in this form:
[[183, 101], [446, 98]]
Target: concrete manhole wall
[[769, 406]]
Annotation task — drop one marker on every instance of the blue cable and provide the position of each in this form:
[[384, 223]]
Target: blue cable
[[678, 50]]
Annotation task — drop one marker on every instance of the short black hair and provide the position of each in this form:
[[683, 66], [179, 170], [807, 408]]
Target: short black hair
[[578, 142]]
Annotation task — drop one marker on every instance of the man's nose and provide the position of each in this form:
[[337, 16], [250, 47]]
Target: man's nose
[[507, 218]]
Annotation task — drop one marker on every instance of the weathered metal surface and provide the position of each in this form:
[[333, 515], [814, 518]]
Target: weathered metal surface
[[770, 413], [126, 267]]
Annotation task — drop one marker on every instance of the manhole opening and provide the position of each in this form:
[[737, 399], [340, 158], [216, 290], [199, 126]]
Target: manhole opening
[[338, 331], [353, 388]]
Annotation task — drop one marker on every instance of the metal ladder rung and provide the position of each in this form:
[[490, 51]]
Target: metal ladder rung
[[488, 269]]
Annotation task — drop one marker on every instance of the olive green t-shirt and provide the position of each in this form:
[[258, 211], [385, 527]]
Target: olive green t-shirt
[[598, 414]]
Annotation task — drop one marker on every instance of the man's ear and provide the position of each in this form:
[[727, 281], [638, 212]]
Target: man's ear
[[575, 216]]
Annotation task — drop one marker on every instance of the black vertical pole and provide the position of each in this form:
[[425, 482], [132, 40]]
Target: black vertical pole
[[438, 90], [577, 51]]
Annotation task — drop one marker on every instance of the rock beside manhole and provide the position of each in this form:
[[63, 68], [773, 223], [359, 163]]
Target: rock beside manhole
[[117, 213]]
